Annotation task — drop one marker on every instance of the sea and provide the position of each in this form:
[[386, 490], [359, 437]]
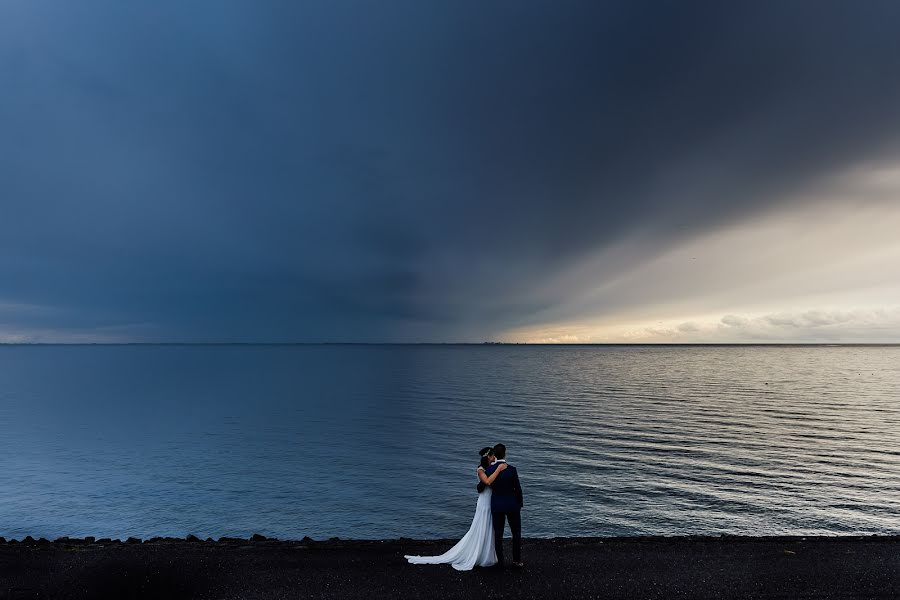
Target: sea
[[382, 441]]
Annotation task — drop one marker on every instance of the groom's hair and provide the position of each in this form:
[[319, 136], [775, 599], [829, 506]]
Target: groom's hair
[[500, 451]]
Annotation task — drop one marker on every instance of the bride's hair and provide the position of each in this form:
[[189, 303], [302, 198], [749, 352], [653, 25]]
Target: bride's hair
[[485, 461]]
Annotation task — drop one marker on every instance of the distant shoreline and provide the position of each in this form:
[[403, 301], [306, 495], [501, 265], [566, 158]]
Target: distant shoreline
[[474, 344]]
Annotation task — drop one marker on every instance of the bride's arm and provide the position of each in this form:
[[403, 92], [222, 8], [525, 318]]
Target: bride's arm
[[489, 480], [482, 476]]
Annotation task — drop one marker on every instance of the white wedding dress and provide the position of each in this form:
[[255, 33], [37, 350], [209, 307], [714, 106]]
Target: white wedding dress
[[476, 548]]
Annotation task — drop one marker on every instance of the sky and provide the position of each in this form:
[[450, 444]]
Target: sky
[[407, 171]]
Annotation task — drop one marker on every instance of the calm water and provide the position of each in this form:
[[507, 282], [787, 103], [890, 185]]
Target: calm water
[[382, 441]]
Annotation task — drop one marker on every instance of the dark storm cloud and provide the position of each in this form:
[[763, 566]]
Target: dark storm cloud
[[402, 170]]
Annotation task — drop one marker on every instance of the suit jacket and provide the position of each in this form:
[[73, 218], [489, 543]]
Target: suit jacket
[[506, 491]]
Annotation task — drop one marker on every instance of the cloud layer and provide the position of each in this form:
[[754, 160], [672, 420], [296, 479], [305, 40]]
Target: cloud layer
[[238, 171]]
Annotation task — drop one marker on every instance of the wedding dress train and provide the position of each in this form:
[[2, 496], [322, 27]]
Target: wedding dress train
[[476, 548]]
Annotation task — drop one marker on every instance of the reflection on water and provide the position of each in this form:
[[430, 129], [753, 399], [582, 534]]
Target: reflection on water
[[382, 441]]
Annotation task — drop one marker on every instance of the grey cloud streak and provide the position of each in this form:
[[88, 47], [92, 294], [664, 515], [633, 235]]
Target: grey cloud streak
[[879, 325], [403, 171]]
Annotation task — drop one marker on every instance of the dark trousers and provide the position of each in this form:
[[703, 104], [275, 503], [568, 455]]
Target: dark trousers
[[515, 527]]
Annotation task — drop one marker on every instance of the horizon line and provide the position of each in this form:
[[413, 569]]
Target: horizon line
[[449, 344]]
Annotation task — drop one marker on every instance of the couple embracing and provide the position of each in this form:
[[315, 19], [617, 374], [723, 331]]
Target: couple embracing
[[499, 500]]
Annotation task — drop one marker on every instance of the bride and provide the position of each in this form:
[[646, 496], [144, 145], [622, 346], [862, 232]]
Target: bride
[[476, 548]]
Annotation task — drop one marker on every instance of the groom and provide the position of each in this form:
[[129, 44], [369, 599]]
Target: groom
[[506, 503]]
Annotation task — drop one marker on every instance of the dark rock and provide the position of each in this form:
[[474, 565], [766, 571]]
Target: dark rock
[[133, 540], [28, 540], [2, 540], [227, 540], [192, 538], [89, 539], [306, 539], [209, 539], [79, 541], [43, 541], [258, 538], [104, 541]]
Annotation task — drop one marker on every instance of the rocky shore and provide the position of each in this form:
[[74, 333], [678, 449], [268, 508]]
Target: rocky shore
[[683, 567]]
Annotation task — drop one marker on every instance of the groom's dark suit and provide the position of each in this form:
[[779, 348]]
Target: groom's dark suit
[[506, 502]]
